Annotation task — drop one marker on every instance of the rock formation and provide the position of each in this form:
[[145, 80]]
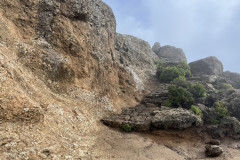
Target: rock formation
[[232, 78], [169, 53], [206, 66], [145, 118], [58, 76], [63, 68], [136, 55], [156, 47]]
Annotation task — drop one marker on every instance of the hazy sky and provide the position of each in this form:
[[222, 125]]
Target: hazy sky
[[201, 28]]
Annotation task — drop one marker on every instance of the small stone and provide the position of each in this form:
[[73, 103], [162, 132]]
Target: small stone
[[213, 150]]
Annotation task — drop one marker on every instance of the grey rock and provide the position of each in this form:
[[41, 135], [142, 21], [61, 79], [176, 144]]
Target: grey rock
[[178, 118], [171, 53], [156, 47], [209, 114], [145, 118], [213, 150], [232, 78], [206, 66], [136, 55], [231, 127], [231, 99]]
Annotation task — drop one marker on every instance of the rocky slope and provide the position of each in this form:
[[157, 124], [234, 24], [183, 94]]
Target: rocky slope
[[59, 76], [63, 68]]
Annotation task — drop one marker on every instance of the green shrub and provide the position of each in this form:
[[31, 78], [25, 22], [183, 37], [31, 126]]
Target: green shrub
[[126, 127], [179, 97], [185, 68], [215, 122], [196, 110], [170, 73], [197, 89], [221, 109], [160, 67], [180, 81], [226, 86], [167, 73]]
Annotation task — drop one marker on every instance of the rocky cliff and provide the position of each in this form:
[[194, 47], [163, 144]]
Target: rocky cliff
[[63, 68], [59, 75], [137, 56]]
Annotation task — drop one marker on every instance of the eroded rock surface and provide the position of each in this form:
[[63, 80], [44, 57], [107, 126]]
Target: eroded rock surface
[[145, 118], [136, 55]]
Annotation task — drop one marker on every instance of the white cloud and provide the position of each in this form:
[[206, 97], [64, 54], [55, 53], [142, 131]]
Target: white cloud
[[201, 27]]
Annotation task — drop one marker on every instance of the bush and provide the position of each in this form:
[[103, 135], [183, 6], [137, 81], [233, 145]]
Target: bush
[[226, 86], [185, 68], [180, 81], [179, 97], [168, 73], [197, 89], [221, 109], [215, 122], [196, 110], [126, 128]]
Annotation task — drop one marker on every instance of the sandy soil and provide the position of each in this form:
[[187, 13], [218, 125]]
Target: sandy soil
[[158, 145]]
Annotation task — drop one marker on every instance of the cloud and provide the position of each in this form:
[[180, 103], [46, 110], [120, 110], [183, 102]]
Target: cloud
[[201, 27]]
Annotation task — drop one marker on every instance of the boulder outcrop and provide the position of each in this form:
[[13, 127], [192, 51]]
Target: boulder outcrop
[[206, 66], [136, 55], [156, 47], [170, 53], [144, 118]]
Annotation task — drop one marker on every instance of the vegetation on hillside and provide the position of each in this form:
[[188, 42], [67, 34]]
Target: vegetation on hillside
[[167, 73]]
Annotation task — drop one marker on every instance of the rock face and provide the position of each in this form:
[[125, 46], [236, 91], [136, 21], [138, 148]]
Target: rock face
[[58, 76], [145, 118], [170, 53], [206, 66], [232, 78], [136, 55], [68, 44]]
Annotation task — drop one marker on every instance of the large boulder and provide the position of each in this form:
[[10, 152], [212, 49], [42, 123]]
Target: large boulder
[[136, 55], [170, 53], [145, 117], [206, 66], [178, 118]]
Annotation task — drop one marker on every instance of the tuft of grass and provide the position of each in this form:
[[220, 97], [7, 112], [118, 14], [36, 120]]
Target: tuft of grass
[[215, 122], [196, 110], [126, 127]]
